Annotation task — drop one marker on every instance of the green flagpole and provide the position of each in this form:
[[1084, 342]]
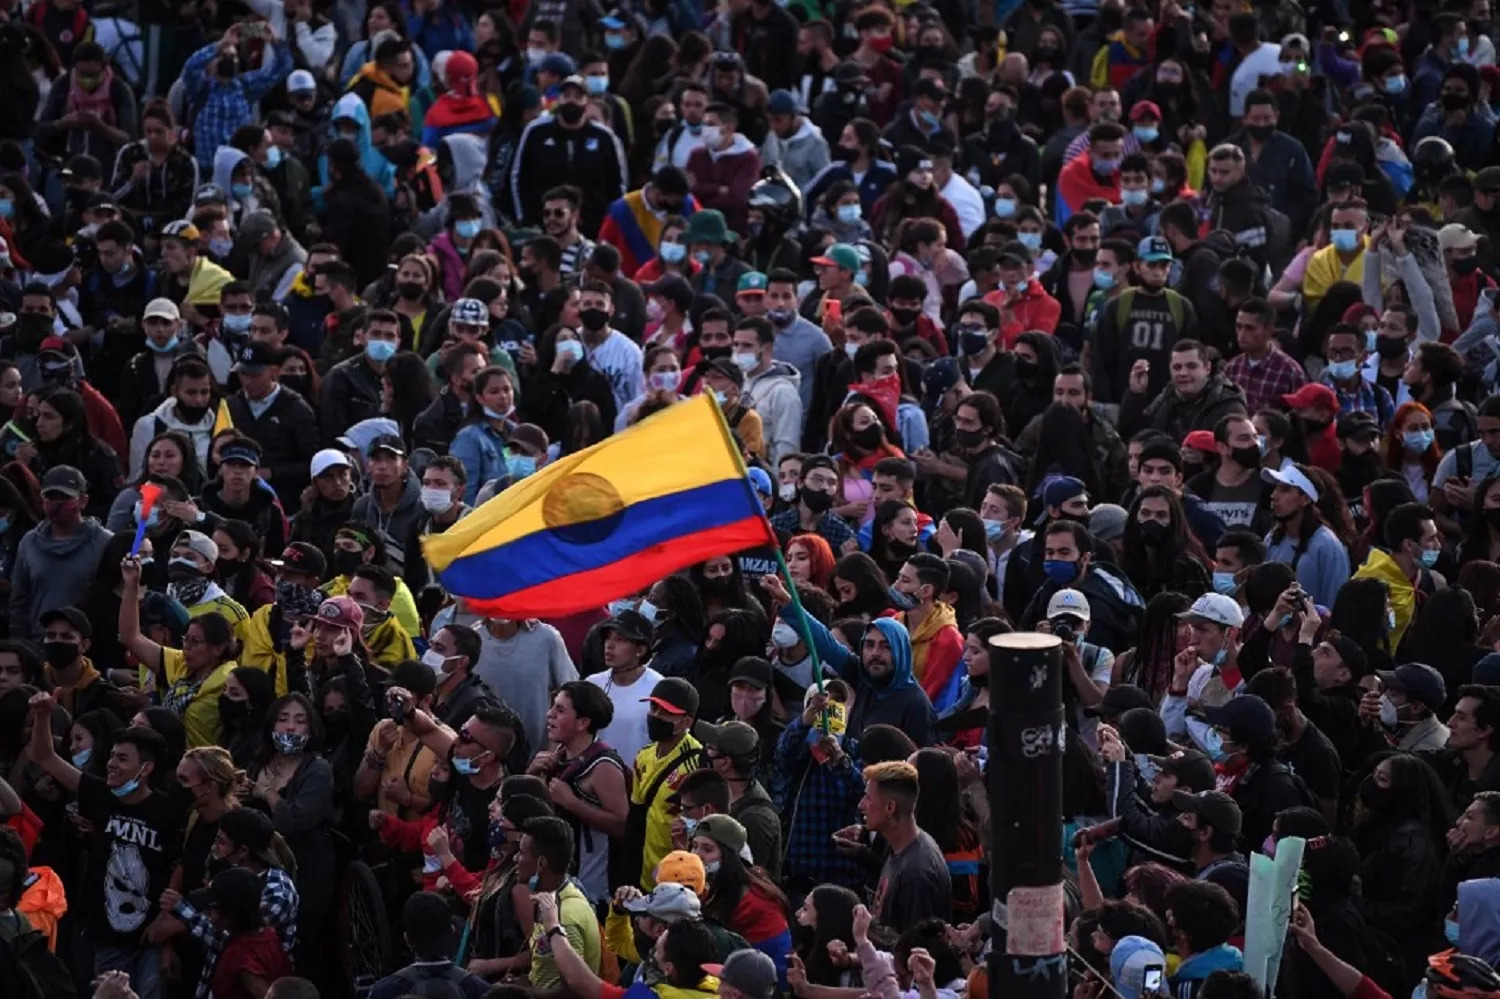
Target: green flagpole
[[803, 628]]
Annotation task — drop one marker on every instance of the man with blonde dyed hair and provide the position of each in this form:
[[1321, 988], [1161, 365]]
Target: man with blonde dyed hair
[[914, 883]]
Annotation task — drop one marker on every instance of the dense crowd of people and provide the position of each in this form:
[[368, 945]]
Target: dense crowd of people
[[1172, 331]]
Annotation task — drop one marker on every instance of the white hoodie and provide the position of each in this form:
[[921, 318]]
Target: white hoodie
[[162, 419]]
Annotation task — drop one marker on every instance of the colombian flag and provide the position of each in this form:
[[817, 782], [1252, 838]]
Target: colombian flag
[[605, 522]]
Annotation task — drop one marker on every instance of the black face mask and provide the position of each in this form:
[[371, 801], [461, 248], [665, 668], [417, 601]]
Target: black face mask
[[191, 414], [1026, 368], [1154, 533], [31, 329], [843, 154], [345, 562], [1246, 457], [1455, 102], [659, 729], [816, 500], [980, 680], [1390, 348], [410, 290], [711, 353], [336, 725], [718, 586], [869, 438], [1372, 795], [1315, 428], [905, 317], [1048, 54], [1260, 133], [1085, 257], [231, 711], [60, 655], [969, 439], [1492, 517], [569, 114], [1466, 265], [300, 384], [593, 320]]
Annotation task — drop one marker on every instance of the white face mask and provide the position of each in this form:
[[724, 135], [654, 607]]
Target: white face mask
[[1388, 715], [435, 661], [711, 136], [436, 499], [788, 491], [784, 636]]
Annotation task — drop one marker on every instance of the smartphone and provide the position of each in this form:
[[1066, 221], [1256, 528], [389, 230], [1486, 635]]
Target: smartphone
[[833, 311], [398, 711], [1151, 979]]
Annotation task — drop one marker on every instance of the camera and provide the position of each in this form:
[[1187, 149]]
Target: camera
[[1065, 632]]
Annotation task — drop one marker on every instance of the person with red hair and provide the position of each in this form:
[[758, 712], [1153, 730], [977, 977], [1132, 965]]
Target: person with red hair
[[1411, 447], [810, 560]]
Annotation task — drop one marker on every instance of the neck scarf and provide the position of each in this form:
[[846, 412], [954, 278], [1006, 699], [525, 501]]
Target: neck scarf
[[98, 101]]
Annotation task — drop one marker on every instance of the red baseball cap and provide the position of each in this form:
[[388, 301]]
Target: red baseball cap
[[1310, 395]]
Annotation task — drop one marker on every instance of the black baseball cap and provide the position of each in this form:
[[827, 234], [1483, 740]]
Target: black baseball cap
[[299, 556], [1358, 425], [941, 375], [1419, 682], [1118, 699], [1214, 807], [64, 479], [256, 355], [387, 442], [1246, 718], [674, 695], [631, 625], [1193, 770], [73, 616]]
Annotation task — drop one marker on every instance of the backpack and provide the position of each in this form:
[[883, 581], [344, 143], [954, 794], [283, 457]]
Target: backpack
[[433, 983], [1463, 458], [34, 971], [1126, 302], [1458, 418]]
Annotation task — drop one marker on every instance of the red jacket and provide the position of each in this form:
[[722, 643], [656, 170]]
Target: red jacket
[[104, 422], [736, 169], [1077, 184], [1033, 310]]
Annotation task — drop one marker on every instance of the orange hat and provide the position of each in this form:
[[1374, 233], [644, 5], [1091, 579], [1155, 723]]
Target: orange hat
[[683, 868]]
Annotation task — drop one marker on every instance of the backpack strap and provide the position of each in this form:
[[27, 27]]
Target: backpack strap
[[1123, 305], [1463, 458]]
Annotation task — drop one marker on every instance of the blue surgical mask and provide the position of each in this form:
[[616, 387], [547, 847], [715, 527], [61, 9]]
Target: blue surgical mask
[[1146, 133], [1134, 197], [1263, 444], [1344, 240], [1213, 746], [82, 757], [273, 157], [161, 348], [1060, 572], [1158, 186], [1220, 656], [494, 415], [380, 351], [235, 323], [596, 84], [570, 348], [521, 465], [468, 228], [930, 118], [614, 42], [994, 530], [850, 214], [1371, 340], [465, 766], [689, 826], [1030, 240], [1463, 47], [1450, 931], [126, 789], [241, 191], [1106, 168], [1005, 208], [647, 610], [672, 253], [901, 601], [1103, 279], [1224, 583], [1342, 371], [614, 607], [7, 208], [703, 257], [534, 882], [1390, 619], [1418, 441], [1395, 84], [1429, 557]]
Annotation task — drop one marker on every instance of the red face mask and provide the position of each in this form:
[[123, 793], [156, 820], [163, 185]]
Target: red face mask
[[881, 43]]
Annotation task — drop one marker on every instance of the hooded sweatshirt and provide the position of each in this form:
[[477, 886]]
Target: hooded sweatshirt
[[380, 169], [226, 160], [898, 700], [1193, 970], [803, 154], [467, 154], [1403, 594], [52, 572], [399, 522], [161, 419], [1479, 919], [723, 179], [777, 396]]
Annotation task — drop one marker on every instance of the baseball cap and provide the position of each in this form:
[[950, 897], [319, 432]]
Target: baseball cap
[[1247, 718], [1128, 962], [387, 442], [733, 738], [1214, 807], [1214, 608], [252, 829], [530, 436], [761, 480], [674, 695], [1118, 699], [1016, 252], [162, 308], [615, 20], [1144, 109], [782, 102], [1487, 181], [632, 625], [909, 158], [1358, 425], [749, 971], [724, 830], [682, 868], [752, 670], [299, 556], [199, 544], [299, 81], [751, 282], [668, 901], [559, 64], [181, 229], [1154, 249], [255, 355], [1456, 236], [1107, 521], [258, 225], [1201, 440], [99, 201], [728, 369], [1193, 770], [1062, 489], [1487, 670], [1291, 476], [571, 80], [325, 459], [1354, 657], [73, 616], [941, 375], [1312, 394], [1417, 681], [341, 612], [840, 255], [471, 311], [64, 479], [1068, 602], [929, 88], [245, 451], [83, 167]]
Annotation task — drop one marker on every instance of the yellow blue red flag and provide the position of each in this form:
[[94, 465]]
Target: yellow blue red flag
[[605, 522]]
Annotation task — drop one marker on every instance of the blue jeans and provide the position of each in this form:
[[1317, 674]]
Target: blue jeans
[[142, 964]]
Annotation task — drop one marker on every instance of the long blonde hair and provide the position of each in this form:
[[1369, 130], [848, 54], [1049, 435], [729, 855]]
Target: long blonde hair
[[218, 766]]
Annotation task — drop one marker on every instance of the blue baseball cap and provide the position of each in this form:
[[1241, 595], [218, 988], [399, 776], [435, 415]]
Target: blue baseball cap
[[1154, 249], [761, 481]]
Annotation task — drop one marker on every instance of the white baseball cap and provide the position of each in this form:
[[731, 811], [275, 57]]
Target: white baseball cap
[[1068, 602], [300, 80], [326, 459], [1215, 608], [162, 308], [1291, 475]]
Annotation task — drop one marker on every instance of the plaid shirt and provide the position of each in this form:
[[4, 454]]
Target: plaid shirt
[[833, 530], [823, 800], [278, 906], [224, 106], [1367, 398], [1265, 383]]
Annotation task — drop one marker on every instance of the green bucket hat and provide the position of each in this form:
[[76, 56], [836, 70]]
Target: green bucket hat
[[707, 226]]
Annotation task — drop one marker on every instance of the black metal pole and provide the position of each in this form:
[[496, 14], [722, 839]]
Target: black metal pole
[[1027, 734]]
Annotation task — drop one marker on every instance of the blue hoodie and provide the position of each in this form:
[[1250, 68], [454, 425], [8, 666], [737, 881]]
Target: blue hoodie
[[1192, 972], [381, 170], [1479, 919], [900, 701]]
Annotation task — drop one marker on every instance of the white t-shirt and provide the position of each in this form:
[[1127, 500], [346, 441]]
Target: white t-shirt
[[627, 731]]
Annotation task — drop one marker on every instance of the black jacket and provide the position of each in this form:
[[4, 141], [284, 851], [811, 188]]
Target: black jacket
[[262, 511], [589, 157], [317, 525], [358, 221], [437, 425], [350, 393], [288, 435], [101, 299], [1154, 832], [547, 396]]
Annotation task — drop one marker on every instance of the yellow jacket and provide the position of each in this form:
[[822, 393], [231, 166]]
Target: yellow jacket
[[257, 648], [1325, 269], [403, 604], [1403, 595]]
